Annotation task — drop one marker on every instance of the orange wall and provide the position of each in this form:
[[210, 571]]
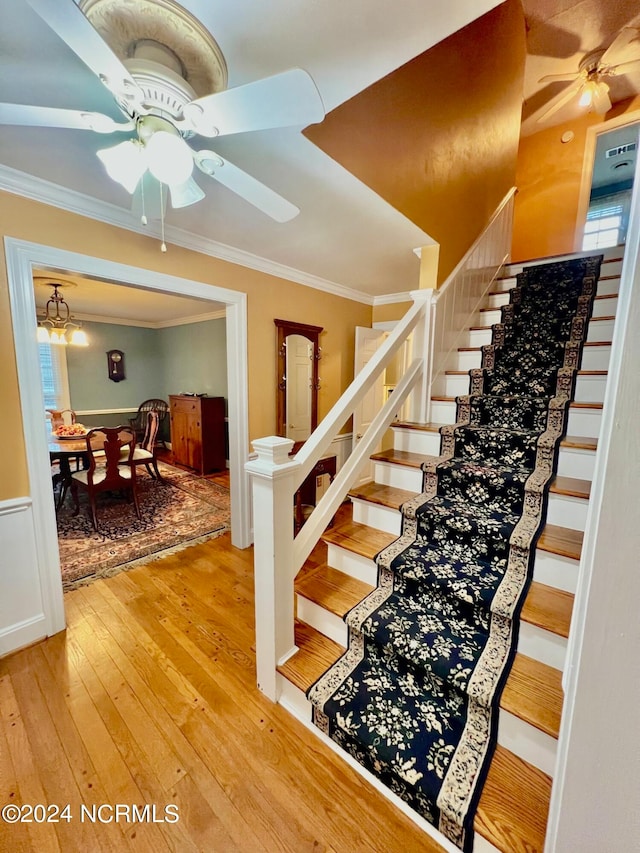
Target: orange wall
[[438, 138], [549, 178], [268, 297]]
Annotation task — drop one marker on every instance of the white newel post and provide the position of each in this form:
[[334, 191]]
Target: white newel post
[[273, 478], [422, 348]]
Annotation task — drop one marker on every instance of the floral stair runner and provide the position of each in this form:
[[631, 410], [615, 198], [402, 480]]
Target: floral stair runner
[[415, 696]]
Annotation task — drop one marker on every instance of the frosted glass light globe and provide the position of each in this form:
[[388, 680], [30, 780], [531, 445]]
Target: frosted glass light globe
[[169, 158]]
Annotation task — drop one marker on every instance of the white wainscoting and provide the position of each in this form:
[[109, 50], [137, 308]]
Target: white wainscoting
[[22, 617]]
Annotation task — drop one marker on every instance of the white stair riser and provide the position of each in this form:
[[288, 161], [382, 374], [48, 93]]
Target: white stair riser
[[476, 338], [589, 389], [514, 734], [562, 510], [488, 318], [555, 570], [527, 742], [359, 567], [504, 284], [609, 285], [417, 441], [322, 620], [572, 462], [542, 645], [584, 422], [443, 412], [497, 300], [595, 358], [600, 330], [605, 307], [397, 476]]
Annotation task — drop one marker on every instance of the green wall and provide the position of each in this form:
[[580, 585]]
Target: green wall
[[158, 362]]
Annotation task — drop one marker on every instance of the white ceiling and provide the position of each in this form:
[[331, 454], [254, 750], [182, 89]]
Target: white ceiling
[[345, 233]]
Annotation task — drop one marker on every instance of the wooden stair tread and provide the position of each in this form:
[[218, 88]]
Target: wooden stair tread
[[513, 807], [548, 608], [315, 655], [608, 295], [428, 427], [331, 589], [358, 538], [580, 372], [563, 541], [571, 487], [383, 495], [580, 442], [601, 319], [514, 804], [573, 404], [402, 457], [534, 693], [596, 344]]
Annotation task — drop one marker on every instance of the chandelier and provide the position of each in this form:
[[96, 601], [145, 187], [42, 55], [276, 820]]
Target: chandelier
[[57, 323]]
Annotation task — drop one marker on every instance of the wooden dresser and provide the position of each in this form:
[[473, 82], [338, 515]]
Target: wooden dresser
[[197, 432]]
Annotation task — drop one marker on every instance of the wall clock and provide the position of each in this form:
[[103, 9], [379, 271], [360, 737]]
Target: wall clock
[[115, 360]]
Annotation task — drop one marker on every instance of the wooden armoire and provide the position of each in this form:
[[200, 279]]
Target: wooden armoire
[[197, 432]]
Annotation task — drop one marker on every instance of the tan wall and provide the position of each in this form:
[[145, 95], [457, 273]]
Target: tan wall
[[268, 298], [393, 311], [438, 138], [549, 178]]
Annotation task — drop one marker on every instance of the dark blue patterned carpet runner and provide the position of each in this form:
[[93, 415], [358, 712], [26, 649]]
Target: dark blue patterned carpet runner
[[415, 696]]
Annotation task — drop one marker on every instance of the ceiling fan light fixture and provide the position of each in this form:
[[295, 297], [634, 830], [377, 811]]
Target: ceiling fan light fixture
[[182, 195], [125, 163], [169, 158], [588, 93]]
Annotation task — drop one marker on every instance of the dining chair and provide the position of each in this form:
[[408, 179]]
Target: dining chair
[[139, 423], [107, 473], [146, 453]]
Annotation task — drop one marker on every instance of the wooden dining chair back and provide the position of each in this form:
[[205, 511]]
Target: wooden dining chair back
[[146, 453], [139, 423], [107, 473]]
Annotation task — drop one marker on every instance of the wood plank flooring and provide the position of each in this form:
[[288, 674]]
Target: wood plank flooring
[[150, 697]]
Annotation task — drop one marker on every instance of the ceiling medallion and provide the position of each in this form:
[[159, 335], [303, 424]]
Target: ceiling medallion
[[183, 45]]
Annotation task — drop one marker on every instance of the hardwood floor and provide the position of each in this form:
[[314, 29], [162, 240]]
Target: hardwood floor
[[150, 697]]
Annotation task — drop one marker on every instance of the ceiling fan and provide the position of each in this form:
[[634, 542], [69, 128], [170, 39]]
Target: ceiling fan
[[168, 78], [588, 81]]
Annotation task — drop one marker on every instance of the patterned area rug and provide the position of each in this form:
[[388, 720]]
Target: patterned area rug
[[415, 696], [181, 511]]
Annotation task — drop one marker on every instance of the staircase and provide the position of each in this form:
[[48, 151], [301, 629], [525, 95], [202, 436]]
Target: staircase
[[512, 812]]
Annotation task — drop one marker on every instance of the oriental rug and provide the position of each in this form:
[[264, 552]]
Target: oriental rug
[[415, 696], [183, 510]]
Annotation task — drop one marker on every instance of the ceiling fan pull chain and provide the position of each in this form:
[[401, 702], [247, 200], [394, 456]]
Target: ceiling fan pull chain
[[163, 245], [143, 218]]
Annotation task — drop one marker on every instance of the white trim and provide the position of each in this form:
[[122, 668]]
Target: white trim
[[105, 411], [587, 168], [21, 258], [46, 192], [392, 298], [151, 324]]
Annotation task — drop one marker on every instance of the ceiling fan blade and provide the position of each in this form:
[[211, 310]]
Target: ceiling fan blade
[[247, 187], [551, 78], [286, 99], [624, 67], [601, 100], [621, 41], [27, 116], [561, 100], [182, 195], [67, 21]]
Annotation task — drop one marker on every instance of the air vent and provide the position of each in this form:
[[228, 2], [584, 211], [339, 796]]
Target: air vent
[[621, 149]]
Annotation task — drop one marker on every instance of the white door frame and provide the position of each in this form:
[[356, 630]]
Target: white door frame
[[21, 258], [587, 167]]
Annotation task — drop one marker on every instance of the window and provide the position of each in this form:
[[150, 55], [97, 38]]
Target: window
[[55, 382], [606, 223]]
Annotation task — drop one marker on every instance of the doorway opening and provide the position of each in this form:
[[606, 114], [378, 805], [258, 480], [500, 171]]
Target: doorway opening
[[22, 260]]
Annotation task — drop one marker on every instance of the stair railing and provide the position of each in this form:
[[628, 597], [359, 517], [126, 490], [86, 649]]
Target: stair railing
[[276, 475], [460, 296]]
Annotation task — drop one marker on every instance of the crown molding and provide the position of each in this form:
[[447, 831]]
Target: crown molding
[[29, 186], [392, 298], [151, 324]]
